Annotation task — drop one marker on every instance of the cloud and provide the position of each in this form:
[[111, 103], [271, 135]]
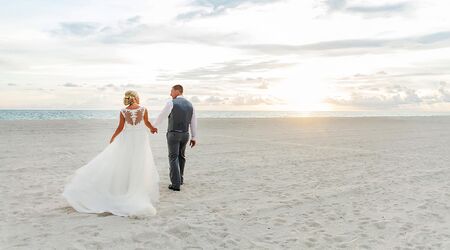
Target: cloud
[[220, 71], [367, 10], [109, 86], [228, 3], [380, 78], [240, 100], [71, 85], [212, 8], [391, 96], [133, 31], [356, 46], [246, 100], [84, 29], [373, 101], [152, 34], [223, 51], [116, 87], [215, 100], [130, 85], [379, 9], [263, 85], [444, 92], [81, 29], [433, 38], [334, 5], [195, 99], [260, 82]]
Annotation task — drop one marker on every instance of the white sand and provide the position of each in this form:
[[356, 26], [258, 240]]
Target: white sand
[[325, 183]]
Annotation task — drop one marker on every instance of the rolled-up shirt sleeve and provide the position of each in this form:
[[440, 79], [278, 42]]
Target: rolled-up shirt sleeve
[[165, 112], [193, 126]]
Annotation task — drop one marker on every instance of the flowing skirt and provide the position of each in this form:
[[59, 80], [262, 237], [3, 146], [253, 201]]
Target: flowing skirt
[[122, 179]]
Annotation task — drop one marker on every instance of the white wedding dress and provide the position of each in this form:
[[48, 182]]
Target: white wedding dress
[[122, 179]]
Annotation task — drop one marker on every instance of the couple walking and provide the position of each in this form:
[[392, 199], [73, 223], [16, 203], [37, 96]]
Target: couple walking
[[123, 179]]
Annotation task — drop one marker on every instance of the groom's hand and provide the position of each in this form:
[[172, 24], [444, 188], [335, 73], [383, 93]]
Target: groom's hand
[[192, 143]]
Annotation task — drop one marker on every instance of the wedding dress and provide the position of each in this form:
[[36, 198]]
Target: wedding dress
[[122, 179]]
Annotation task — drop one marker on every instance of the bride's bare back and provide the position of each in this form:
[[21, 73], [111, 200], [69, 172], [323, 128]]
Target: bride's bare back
[[133, 116]]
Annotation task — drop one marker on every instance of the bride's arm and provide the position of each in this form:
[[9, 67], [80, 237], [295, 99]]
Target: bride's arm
[[119, 128], [148, 123]]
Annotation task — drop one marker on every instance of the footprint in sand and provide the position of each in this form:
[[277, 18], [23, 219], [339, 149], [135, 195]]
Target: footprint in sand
[[145, 236]]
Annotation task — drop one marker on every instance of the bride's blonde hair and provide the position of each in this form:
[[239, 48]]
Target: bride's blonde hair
[[130, 97]]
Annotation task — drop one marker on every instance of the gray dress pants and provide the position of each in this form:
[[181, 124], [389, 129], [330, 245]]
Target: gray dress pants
[[176, 142]]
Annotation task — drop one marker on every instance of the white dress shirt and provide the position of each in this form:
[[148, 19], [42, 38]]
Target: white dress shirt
[[166, 112]]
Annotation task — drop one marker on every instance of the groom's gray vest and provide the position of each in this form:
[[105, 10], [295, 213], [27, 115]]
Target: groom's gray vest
[[180, 117]]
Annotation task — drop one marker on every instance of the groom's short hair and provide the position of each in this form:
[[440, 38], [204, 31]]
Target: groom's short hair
[[178, 87]]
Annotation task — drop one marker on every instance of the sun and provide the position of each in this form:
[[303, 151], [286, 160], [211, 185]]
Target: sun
[[302, 93]]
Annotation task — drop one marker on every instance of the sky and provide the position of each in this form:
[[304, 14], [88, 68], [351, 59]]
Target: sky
[[308, 55]]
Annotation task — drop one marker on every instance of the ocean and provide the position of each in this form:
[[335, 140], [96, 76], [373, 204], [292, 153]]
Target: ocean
[[113, 114]]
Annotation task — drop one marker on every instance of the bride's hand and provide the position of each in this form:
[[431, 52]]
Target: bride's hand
[[154, 130], [110, 141]]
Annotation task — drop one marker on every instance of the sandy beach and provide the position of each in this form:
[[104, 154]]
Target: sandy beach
[[294, 183]]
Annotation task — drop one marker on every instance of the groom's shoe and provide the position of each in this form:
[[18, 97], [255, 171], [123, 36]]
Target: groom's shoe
[[173, 188]]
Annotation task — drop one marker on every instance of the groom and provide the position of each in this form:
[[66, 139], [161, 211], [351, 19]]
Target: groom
[[181, 116]]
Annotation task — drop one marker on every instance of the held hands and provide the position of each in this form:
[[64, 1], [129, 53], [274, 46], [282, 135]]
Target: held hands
[[154, 130], [192, 143]]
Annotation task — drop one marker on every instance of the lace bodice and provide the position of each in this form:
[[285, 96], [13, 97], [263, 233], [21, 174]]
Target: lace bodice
[[133, 117]]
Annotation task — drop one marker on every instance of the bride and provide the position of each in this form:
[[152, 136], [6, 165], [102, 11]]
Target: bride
[[122, 179]]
